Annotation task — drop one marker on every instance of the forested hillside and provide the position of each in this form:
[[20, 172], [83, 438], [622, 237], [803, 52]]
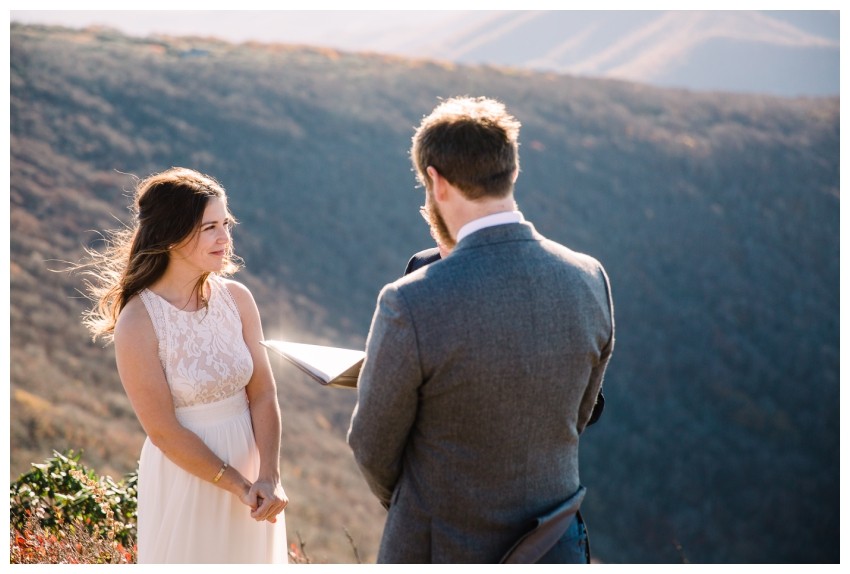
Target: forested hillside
[[716, 216]]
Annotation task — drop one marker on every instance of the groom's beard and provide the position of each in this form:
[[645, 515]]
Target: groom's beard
[[439, 229]]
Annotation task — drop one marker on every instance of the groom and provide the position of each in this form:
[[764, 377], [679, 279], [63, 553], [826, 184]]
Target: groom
[[481, 369]]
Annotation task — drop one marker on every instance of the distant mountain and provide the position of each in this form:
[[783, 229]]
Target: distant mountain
[[783, 53], [716, 216], [787, 53]]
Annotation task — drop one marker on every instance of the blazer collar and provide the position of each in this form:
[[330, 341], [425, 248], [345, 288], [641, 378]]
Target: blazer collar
[[521, 231]]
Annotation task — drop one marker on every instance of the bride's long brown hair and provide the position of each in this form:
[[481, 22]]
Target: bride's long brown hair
[[167, 209]]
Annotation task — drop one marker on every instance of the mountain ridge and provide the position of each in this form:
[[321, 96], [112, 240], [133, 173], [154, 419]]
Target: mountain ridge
[[787, 53], [655, 47]]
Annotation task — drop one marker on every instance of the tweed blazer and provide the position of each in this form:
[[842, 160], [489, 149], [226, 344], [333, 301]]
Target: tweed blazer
[[432, 254], [481, 371]]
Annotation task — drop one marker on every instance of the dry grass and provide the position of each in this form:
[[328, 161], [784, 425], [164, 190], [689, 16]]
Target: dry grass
[[73, 544]]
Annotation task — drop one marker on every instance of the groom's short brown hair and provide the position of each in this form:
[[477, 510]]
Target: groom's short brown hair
[[472, 142]]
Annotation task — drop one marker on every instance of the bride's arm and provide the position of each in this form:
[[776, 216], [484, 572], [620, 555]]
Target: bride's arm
[[141, 374], [265, 409]]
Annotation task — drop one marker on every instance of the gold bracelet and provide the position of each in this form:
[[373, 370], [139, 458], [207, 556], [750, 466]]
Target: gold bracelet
[[218, 476]]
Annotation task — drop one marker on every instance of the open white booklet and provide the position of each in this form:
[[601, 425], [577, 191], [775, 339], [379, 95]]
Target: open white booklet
[[331, 366]]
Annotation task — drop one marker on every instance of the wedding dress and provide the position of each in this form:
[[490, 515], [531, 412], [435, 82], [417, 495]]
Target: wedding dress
[[183, 518]]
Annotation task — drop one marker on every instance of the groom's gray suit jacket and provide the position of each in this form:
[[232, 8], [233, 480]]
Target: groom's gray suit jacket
[[481, 372]]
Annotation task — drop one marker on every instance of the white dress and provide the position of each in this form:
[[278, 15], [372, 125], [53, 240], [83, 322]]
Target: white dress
[[183, 518]]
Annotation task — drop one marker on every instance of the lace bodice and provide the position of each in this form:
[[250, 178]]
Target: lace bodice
[[203, 353]]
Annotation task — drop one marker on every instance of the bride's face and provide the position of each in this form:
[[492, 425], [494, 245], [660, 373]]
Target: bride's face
[[206, 249]]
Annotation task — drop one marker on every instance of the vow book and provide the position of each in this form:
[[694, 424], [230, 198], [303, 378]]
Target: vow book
[[330, 366]]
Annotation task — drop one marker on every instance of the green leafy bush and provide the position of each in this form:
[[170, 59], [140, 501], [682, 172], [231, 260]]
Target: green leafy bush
[[61, 492], [62, 513]]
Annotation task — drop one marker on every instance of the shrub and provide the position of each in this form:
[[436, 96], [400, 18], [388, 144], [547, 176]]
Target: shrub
[[61, 501], [62, 513]]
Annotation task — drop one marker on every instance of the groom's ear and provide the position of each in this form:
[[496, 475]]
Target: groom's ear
[[432, 173], [439, 184]]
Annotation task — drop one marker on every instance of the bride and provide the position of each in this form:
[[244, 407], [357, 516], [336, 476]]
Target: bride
[[188, 355]]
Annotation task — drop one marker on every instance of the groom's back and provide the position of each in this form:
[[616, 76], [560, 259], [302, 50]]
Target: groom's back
[[510, 328]]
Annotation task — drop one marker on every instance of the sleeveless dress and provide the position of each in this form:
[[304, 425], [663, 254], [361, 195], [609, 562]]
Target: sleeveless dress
[[183, 518]]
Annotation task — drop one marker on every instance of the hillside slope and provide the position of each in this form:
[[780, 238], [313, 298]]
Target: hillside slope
[[716, 216]]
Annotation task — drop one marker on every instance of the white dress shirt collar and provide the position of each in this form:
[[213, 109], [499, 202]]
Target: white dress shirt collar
[[500, 218]]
